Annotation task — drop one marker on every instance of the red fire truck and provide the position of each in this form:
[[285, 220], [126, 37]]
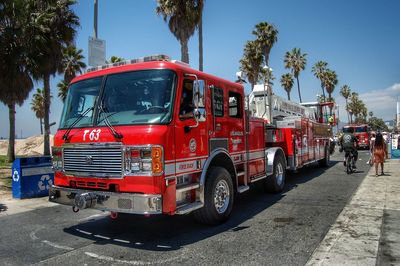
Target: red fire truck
[[361, 132], [154, 136]]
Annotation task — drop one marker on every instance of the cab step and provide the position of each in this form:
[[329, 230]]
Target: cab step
[[242, 189], [189, 207], [187, 187]]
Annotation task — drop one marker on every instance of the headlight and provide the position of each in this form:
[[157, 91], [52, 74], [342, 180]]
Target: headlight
[[144, 160], [56, 158]]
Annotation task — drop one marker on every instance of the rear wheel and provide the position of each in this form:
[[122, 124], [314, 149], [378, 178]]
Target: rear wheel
[[349, 165], [276, 182], [218, 197], [326, 160]]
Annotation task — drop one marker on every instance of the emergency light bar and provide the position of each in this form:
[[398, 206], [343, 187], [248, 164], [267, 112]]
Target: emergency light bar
[[150, 58]]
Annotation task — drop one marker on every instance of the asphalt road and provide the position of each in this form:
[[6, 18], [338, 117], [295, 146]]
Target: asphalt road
[[264, 229]]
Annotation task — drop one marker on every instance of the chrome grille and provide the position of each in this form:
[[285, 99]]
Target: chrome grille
[[93, 161]]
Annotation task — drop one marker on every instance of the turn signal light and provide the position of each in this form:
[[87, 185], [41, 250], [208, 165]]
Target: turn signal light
[[157, 160]]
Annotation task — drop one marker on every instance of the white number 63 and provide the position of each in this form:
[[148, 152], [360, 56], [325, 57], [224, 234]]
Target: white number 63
[[93, 135]]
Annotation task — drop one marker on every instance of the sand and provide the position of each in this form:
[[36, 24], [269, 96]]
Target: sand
[[26, 147]]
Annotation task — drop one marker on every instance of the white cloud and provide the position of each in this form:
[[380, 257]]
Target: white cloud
[[381, 102]]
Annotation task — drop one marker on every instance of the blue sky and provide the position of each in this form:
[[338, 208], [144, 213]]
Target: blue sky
[[359, 39]]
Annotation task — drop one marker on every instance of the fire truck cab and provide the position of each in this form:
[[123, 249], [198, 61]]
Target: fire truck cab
[[154, 136]]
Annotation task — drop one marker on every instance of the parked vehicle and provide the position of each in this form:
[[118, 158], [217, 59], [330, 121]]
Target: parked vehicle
[[154, 136], [362, 133]]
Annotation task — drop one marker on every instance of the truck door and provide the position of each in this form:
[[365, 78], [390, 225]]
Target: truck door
[[191, 144]]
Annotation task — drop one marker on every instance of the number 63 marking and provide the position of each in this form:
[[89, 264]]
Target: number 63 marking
[[94, 134]]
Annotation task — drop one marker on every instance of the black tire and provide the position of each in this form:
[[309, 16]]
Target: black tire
[[349, 165], [276, 182], [218, 181], [325, 162]]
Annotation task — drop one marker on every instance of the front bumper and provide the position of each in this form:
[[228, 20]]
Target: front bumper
[[107, 201]]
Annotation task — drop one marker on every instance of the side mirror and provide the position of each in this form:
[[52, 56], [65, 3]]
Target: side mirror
[[196, 114], [196, 94]]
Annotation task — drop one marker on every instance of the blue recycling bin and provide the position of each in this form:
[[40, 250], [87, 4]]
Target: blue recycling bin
[[395, 147], [32, 177]]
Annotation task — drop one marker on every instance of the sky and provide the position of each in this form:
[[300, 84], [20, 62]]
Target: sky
[[360, 40]]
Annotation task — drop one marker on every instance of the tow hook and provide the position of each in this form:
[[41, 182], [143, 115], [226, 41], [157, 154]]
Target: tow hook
[[114, 215], [75, 209], [84, 201]]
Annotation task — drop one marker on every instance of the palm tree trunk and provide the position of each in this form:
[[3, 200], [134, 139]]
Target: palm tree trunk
[[288, 96], [46, 87], [330, 106], [41, 126], [184, 51], [11, 138], [201, 44], [323, 91], [298, 88]]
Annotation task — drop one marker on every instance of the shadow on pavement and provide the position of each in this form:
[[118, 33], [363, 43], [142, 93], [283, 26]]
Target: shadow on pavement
[[168, 233]]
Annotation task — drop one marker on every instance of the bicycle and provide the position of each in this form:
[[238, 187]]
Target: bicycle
[[349, 162]]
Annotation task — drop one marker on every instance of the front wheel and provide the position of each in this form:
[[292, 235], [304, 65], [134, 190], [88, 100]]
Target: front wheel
[[218, 197]]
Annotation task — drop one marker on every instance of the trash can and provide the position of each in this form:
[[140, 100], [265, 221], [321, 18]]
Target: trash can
[[32, 177]]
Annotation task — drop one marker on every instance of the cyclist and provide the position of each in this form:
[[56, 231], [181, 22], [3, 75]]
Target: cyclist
[[349, 143]]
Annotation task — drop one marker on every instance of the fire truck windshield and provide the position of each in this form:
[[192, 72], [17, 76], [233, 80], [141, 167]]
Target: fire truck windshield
[[139, 97]]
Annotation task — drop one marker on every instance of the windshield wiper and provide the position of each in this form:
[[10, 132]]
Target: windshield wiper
[[114, 132], [79, 118]]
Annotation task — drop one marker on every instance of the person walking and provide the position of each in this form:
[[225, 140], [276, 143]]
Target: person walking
[[379, 151]]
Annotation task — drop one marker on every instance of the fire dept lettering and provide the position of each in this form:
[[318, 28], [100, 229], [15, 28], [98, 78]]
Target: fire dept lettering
[[187, 166]]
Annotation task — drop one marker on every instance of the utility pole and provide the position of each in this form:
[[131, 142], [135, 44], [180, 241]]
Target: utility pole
[[96, 6]]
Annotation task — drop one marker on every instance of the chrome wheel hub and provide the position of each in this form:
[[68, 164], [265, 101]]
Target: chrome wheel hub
[[279, 174], [221, 196]]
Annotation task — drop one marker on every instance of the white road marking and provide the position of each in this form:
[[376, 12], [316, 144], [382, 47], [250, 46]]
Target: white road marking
[[54, 245], [131, 262], [121, 240], [33, 235], [83, 232], [162, 246], [103, 237]]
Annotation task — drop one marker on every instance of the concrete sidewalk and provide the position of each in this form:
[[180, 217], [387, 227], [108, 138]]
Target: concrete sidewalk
[[367, 231], [9, 206]]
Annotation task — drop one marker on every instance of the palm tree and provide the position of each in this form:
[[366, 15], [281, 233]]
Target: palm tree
[[345, 92], [251, 63], [15, 79], [182, 17], [296, 61], [72, 62], [37, 106], [354, 106], [319, 70], [330, 81], [56, 31], [62, 90], [116, 59], [287, 83], [267, 36]]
